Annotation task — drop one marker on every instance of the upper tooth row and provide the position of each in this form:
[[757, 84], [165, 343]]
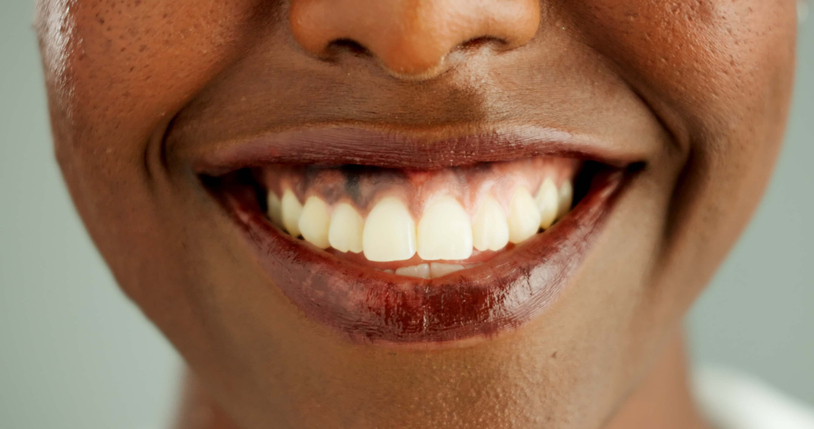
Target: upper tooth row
[[444, 232]]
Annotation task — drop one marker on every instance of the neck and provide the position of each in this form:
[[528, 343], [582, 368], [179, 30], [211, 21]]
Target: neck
[[662, 400]]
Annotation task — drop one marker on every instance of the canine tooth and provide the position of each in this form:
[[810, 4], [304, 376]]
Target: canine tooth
[[292, 209], [490, 230], [275, 208], [524, 216], [566, 198], [421, 271], [548, 200], [346, 228], [444, 231], [389, 233], [439, 270], [314, 222]]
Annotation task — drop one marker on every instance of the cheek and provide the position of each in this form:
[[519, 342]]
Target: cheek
[[718, 74], [711, 62], [117, 68], [117, 71]]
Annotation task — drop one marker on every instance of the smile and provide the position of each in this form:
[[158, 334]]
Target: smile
[[407, 238]]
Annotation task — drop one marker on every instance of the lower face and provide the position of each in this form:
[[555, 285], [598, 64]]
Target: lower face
[[507, 244]]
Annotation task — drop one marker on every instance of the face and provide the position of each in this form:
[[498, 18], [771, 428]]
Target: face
[[411, 213]]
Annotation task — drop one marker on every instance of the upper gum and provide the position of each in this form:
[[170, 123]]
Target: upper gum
[[421, 188]]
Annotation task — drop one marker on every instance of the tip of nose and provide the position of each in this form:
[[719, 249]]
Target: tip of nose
[[417, 45]]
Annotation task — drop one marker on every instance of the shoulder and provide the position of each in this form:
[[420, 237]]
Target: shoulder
[[733, 400]]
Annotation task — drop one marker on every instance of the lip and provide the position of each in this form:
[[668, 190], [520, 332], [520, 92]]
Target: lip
[[405, 148], [374, 307]]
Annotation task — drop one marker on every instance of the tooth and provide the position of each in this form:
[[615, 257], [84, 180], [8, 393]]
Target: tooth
[[275, 209], [548, 200], [444, 231], [440, 270], [421, 271], [389, 233], [314, 222], [292, 209], [524, 216], [346, 229], [566, 198], [490, 230]]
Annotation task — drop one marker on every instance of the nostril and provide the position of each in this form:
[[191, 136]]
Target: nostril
[[481, 42], [340, 46]]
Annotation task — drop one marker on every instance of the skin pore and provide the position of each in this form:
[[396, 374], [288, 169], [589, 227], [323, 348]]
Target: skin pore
[[696, 92]]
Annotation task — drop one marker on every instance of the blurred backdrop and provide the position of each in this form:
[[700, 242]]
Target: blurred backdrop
[[75, 354]]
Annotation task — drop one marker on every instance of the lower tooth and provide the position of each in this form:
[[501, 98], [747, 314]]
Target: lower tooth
[[421, 271], [439, 270]]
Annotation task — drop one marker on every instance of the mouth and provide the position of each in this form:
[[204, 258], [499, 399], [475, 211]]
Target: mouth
[[407, 238]]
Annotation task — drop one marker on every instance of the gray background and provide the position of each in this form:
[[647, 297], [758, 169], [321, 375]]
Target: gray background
[[74, 354]]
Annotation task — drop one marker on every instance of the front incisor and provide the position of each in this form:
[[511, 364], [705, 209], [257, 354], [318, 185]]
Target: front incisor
[[444, 231], [389, 233]]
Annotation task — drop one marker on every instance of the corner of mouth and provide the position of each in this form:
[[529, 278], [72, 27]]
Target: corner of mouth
[[307, 200]]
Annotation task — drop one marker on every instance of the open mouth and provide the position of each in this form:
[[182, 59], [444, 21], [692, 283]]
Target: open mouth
[[435, 242]]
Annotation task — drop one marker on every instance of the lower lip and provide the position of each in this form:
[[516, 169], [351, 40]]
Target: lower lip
[[373, 307]]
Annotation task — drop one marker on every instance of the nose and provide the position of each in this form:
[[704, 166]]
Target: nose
[[411, 37]]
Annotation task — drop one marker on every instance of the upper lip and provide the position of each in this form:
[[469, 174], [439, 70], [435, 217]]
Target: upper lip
[[407, 149], [500, 295]]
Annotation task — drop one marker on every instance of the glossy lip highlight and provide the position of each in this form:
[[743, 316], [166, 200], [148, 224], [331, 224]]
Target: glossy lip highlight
[[369, 306]]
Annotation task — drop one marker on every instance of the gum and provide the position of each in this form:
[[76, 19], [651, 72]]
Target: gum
[[363, 186]]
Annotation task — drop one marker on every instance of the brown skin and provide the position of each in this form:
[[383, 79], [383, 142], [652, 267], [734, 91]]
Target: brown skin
[[699, 90]]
